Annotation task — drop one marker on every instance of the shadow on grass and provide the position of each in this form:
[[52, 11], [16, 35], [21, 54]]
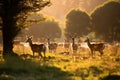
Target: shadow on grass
[[94, 72], [15, 68], [111, 77], [86, 73]]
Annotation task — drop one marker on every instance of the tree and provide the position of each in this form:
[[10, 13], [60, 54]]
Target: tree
[[77, 22], [13, 13], [106, 21], [48, 28]]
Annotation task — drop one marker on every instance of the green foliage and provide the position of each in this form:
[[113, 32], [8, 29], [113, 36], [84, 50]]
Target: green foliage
[[77, 22], [49, 28], [105, 21]]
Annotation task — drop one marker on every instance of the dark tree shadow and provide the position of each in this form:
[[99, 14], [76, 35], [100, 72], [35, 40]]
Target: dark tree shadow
[[84, 73], [15, 67], [111, 77], [95, 71]]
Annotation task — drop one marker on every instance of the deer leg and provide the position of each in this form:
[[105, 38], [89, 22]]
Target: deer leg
[[50, 50], [40, 55], [44, 53], [91, 52], [75, 51], [101, 53], [33, 54], [54, 50]]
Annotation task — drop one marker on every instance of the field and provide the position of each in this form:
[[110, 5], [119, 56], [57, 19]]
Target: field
[[58, 66]]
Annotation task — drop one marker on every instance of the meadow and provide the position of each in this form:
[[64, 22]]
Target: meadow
[[58, 66]]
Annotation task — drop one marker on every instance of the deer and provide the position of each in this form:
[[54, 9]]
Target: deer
[[52, 46], [38, 48], [16, 42], [95, 47], [74, 46], [66, 45]]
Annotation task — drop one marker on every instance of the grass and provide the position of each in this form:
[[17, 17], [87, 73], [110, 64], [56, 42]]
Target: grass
[[62, 67]]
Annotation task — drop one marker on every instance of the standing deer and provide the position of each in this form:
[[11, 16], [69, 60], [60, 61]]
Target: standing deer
[[39, 48], [95, 47], [66, 45], [74, 46], [52, 46]]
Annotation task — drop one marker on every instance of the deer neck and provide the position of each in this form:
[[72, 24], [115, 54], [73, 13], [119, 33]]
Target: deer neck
[[88, 43], [30, 43], [73, 41], [48, 41]]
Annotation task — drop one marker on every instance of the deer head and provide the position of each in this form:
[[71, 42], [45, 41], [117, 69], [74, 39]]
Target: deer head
[[29, 39], [87, 40]]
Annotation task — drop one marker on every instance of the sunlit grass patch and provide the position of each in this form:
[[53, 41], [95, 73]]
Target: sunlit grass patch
[[56, 66]]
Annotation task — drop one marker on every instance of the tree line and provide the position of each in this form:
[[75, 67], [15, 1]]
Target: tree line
[[104, 22]]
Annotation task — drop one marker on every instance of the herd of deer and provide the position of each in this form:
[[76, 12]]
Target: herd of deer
[[39, 48]]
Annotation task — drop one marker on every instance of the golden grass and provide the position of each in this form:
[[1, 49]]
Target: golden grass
[[80, 65]]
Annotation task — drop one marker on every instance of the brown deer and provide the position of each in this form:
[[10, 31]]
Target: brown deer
[[66, 45], [16, 42], [74, 46], [95, 47], [52, 46], [39, 48]]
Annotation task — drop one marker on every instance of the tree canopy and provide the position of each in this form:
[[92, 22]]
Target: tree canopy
[[77, 22], [48, 28], [106, 21]]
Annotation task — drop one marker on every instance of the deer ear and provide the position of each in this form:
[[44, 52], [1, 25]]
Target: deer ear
[[31, 37]]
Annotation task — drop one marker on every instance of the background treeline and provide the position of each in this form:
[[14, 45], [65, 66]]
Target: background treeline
[[102, 23]]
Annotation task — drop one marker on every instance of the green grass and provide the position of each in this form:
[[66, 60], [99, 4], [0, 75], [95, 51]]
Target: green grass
[[61, 67]]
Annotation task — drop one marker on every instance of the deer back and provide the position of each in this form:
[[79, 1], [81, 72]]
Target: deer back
[[52, 46], [38, 47], [97, 47]]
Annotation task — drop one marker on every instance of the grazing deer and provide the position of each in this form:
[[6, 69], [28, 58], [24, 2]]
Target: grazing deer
[[95, 47], [52, 46], [39, 48], [74, 46]]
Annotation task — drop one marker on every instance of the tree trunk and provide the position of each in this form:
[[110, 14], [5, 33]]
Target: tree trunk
[[7, 44], [7, 36], [9, 28]]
